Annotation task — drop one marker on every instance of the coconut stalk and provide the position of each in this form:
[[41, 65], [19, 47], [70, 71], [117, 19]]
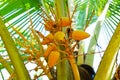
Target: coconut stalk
[[109, 58], [19, 67]]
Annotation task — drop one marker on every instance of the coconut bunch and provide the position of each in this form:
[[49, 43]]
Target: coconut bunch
[[57, 37]]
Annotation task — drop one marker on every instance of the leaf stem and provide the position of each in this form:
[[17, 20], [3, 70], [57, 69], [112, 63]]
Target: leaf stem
[[20, 70]]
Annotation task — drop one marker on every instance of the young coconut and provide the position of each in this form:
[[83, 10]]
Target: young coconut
[[49, 25], [49, 38], [59, 36], [53, 58], [64, 21], [50, 48], [79, 35]]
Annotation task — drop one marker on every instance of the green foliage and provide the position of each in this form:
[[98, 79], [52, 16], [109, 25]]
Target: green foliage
[[11, 9]]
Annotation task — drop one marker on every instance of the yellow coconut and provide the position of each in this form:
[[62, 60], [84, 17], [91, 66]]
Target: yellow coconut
[[49, 38], [59, 36], [50, 48], [53, 58], [79, 35], [64, 21]]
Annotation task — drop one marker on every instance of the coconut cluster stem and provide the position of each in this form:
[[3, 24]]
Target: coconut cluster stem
[[47, 72], [74, 67]]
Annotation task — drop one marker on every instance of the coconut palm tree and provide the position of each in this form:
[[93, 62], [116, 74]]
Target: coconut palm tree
[[95, 17]]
